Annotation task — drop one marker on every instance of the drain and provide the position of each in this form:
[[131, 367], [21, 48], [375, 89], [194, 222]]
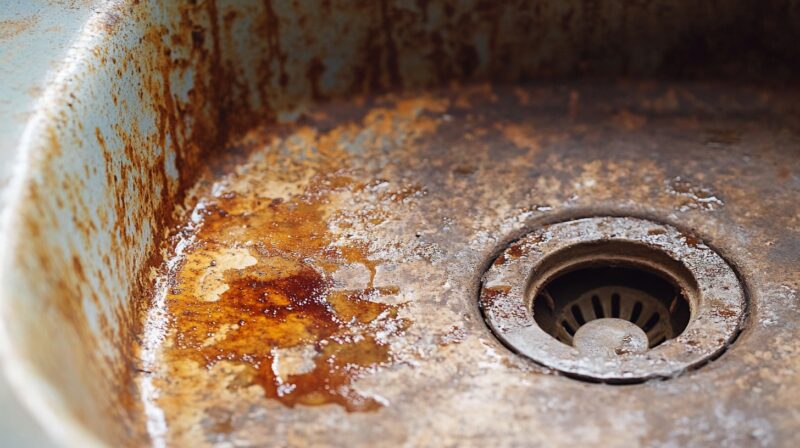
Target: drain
[[635, 295], [613, 299], [610, 337]]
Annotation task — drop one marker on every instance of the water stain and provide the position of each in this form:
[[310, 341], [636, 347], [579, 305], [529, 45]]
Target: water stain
[[692, 196]]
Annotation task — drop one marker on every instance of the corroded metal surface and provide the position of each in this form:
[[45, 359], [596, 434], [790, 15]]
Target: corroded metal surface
[[717, 299], [156, 95], [608, 338], [395, 206]]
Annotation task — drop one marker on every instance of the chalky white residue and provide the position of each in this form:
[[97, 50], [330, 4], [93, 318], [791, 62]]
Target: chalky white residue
[[155, 330]]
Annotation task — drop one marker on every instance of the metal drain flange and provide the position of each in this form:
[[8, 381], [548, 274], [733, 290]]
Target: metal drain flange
[[584, 281]]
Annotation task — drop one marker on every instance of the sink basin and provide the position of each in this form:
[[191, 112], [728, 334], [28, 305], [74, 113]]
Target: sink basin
[[268, 223]]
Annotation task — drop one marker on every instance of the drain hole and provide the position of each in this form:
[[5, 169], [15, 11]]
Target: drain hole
[[637, 312], [578, 315], [651, 323], [598, 308], [638, 295]]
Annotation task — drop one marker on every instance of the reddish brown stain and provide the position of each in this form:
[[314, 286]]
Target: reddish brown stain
[[281, 294], [314, 72], [299, 309], [692, 241], [287, 299], [489, 295], [387, 25], [465, 170], [515, 250], [725, 312], [273, 36]]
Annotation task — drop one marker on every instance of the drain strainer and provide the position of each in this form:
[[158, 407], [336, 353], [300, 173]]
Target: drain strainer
[[613, 299]]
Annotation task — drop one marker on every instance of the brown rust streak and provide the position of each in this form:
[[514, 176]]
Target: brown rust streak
[[273, 36], [391, 48]]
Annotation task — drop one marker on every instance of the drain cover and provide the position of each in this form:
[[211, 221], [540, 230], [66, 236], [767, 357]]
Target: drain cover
[[609, 337], [613, 299]]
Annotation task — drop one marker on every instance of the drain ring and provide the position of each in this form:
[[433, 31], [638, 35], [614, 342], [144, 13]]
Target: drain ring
[[715, 299]]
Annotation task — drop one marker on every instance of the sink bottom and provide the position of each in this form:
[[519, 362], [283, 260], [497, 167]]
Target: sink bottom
[[323, 284]]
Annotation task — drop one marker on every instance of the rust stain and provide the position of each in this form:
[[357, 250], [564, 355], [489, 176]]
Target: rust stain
[[515, 250], [14, 27], [692, 241], [725, 312], [268, 284], [722, 137], [273, 37], [489, 295], [521, 136], [628, 120], [286, 299]]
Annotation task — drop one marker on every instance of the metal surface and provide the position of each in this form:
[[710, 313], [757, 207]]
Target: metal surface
[[716, 299], [265, 223], [607, 338], [35, 36]]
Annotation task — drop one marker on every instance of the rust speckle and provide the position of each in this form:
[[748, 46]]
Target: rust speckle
[[515, 250], [489, 295], [14, 27], [692, 241]]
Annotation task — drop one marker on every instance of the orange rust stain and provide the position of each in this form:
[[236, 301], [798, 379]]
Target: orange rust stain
[[629, 120], [474, 93], [692, 241], [521, 136], [523, 96], [279, 281], [286, 298]]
